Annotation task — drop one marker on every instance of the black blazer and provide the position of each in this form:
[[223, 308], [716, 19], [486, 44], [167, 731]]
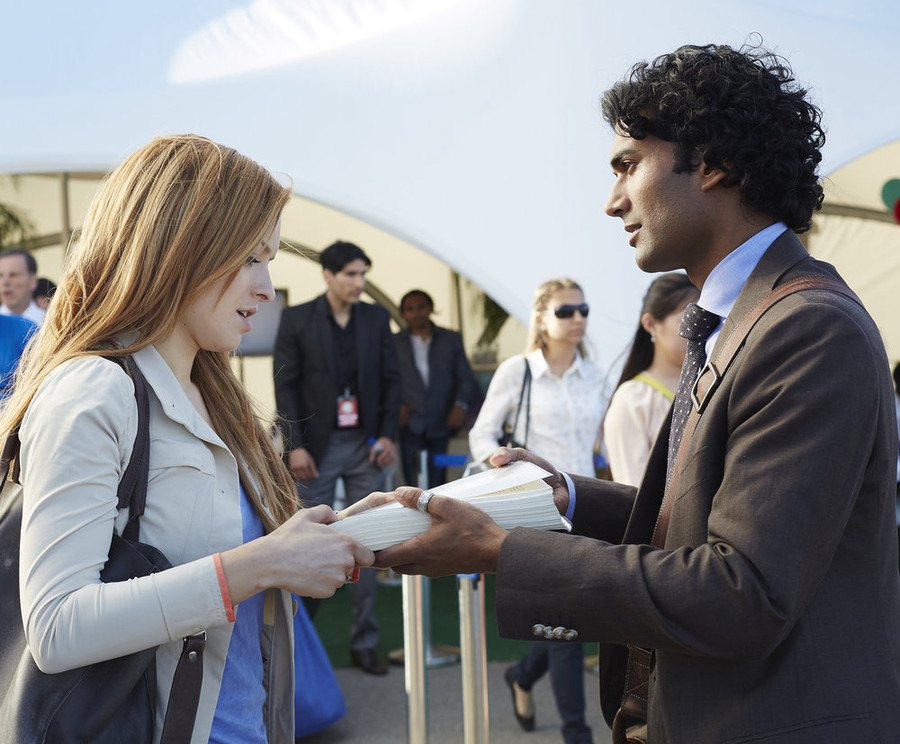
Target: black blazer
[[304, 372], [450, 381], [774, 610]]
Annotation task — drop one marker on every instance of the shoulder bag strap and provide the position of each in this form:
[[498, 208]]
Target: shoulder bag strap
[[655, 384], [526, 383], [714, 370], [184, 695], [132, 492]]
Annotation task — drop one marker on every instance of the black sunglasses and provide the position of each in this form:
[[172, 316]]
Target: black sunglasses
[[563, 312]]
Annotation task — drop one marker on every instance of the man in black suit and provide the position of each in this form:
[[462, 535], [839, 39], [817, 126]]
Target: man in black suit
[[337, 390], [437, 386]]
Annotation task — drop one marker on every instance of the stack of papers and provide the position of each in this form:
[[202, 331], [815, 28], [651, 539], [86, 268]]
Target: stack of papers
[[513, 496]]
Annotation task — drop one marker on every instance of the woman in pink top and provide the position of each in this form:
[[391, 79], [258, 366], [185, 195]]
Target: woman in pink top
[[649, 378]]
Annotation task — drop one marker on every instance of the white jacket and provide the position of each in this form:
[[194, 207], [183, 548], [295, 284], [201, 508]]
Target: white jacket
[[77, 437]]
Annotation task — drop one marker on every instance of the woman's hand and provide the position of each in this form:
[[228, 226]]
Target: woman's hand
[[369, 502], [304, 555]]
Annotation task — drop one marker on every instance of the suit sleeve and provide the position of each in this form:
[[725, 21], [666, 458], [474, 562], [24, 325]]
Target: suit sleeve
[[465, 379], [287, 368], [793, 441], [390, 387]]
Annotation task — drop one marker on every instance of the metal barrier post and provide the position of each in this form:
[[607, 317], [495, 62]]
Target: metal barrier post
[[414, 656], [474, 659], [440, 655]]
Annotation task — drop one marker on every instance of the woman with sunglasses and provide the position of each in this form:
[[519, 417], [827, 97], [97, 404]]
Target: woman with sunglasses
[[649, 378], [560, 420]]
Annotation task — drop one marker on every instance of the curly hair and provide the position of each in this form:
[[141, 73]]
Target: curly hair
[[738, 111]]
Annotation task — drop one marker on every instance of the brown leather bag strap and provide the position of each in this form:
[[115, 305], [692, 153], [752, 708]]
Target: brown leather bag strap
[[714, 370]]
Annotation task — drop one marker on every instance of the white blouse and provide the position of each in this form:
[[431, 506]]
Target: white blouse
[[566, 412], [636, 412]]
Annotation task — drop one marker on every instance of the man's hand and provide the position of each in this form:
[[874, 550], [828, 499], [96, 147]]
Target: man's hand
[[461, 539], [456, 418], [383, 453], [506, 455], [403, 417], [302, 465]]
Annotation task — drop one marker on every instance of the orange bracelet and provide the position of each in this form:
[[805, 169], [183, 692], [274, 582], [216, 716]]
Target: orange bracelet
[[223, 587]]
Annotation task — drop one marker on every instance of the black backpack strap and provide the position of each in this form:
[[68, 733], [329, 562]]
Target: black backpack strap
[[184, 695], [132, 493]]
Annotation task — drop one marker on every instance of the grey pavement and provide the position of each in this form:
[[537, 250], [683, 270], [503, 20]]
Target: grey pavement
[[377, 710]]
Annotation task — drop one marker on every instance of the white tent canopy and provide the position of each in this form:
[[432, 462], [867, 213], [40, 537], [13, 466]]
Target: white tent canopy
[[470, 129]]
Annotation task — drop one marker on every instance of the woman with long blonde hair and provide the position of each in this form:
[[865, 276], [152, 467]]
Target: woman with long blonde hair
[[169, 268], [559, 419]]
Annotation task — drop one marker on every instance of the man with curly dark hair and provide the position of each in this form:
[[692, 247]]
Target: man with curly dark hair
[[756, 564]]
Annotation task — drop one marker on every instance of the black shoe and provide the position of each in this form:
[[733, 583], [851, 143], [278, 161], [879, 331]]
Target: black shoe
[[367, 660], [526, 722]]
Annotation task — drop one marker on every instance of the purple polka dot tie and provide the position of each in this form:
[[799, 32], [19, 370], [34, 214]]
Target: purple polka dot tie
[[696, 325]]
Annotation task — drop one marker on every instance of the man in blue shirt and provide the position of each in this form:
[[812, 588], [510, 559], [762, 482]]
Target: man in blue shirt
[[746, 613], [14, 334]]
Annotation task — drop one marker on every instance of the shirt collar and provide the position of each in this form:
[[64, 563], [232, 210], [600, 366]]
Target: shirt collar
[[172, 398], [727, 279], [539, 366]]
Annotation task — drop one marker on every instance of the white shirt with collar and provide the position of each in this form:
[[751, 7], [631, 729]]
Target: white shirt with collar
[[727, 279], [566, 412], [33, 313]]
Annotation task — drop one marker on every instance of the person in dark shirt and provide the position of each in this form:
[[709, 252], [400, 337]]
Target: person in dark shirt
[[437, 384], [337, 391]]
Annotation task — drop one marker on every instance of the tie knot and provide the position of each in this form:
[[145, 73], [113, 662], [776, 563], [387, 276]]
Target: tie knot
[[697, 323]]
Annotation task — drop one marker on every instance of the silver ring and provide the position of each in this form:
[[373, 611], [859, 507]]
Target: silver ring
[[422, 503], [348, 578]]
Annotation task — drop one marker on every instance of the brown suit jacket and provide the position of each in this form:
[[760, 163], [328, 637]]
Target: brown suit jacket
[[774, 609]]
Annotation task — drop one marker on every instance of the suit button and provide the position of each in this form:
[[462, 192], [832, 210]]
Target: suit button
[[548, 632], [558, 632], [570, 635], [537, 630]]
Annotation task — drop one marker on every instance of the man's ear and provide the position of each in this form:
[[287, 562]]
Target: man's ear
[[710, 176]]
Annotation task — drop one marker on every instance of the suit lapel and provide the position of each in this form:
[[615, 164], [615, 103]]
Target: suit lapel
[[784, 253]]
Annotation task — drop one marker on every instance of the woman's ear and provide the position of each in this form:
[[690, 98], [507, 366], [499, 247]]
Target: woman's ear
[[648, 323]]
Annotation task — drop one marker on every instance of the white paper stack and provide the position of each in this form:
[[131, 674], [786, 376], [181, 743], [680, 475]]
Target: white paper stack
[[513, 496]]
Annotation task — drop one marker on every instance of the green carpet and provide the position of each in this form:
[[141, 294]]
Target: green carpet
[[333, 622]]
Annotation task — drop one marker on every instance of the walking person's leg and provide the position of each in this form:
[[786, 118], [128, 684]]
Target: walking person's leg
[[566, 662]]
